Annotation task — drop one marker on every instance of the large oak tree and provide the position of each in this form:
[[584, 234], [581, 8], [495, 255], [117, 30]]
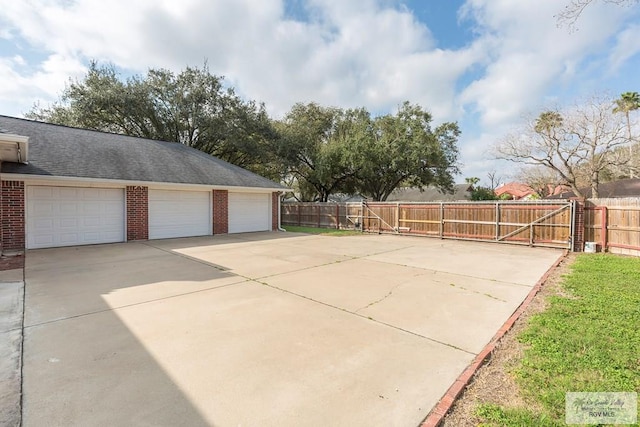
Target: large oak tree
[[330, 150], [313, 147], [403, 149], [192, 107]]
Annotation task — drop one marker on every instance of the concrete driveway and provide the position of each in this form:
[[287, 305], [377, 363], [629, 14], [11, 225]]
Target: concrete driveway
[[261, 329]]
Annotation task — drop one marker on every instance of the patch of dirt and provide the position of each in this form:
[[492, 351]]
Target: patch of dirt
[[493, 382], [11, 262]]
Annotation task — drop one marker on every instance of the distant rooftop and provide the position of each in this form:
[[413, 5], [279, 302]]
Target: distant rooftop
[[621, 188], [517, 190], [430, 194]]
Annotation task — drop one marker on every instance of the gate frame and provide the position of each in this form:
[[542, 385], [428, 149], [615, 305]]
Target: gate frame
[[368, 213]]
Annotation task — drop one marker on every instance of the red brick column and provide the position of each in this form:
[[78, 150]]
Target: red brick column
[[137, 213], [275, 207], [12, 213], [578, 230], [220, 211]]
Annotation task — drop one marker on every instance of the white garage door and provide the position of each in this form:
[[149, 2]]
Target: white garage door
[[249, 212], [69, 216], [179, 213]]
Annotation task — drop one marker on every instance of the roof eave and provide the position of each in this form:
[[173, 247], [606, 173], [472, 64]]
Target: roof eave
[[14, 148], [71, 180]]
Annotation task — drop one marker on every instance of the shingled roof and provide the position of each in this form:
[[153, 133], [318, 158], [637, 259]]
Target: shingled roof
[[63, 151], [517, 190], [430, 194], [621, 188]]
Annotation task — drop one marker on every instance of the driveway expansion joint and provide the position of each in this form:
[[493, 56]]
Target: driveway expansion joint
[[340, 261], [120, 307], [436, 272], [369, 318]]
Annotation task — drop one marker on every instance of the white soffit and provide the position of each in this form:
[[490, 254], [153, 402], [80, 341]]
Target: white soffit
[[14, 148]]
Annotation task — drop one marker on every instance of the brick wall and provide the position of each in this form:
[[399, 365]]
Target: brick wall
[[220, 211], [12, 214], [275, 198], [137, 213]]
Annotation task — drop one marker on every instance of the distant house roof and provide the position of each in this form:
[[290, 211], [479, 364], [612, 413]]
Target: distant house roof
[[430, 194], [517, 190], [555, 189], [61, 151], [620, 188], [346, 198]]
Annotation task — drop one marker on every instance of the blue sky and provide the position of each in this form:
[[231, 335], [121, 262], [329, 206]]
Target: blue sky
[[487, 64]]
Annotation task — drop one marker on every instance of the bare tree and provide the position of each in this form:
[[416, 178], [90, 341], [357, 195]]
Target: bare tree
[[495, 180], [570, 142], [541, 179], [572, 11]]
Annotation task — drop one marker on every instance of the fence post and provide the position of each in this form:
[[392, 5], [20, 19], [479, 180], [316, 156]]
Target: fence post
[[397, 217], [319, 208], [299, 215], [337, 216], [605, 228], [441, 220], [578, 239], [497, 220], [531, 235]]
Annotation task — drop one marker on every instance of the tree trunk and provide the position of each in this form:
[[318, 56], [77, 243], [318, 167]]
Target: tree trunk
[[630, 145], [595, 178], [576, 191]]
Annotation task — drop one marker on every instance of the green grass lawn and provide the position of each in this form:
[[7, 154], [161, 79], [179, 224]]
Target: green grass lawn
[[587, 341], [321, 231]]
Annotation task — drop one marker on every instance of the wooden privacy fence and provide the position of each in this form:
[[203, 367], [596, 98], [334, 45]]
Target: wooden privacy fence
[[538, 223], [322, 215], [614, 224]]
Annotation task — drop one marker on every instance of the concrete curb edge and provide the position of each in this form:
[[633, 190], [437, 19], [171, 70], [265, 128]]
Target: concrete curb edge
[[437, 414]]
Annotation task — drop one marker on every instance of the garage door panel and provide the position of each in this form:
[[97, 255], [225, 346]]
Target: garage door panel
[[67, 193], [175, 213], [249, 212], [111, 210], [93, 207], [42, 208], [42, 241], [92, 222], [111, 220], [67, 216], [40, 192], [68, 208], [42, 225], [71, 223], [70, 239]]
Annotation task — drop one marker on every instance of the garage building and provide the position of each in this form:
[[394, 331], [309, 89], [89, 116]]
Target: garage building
[[63, 186]]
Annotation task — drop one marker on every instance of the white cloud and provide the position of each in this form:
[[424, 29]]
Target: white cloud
[[28, 86], [347, 54], [530, 53], [367, 53], [627, 46]]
